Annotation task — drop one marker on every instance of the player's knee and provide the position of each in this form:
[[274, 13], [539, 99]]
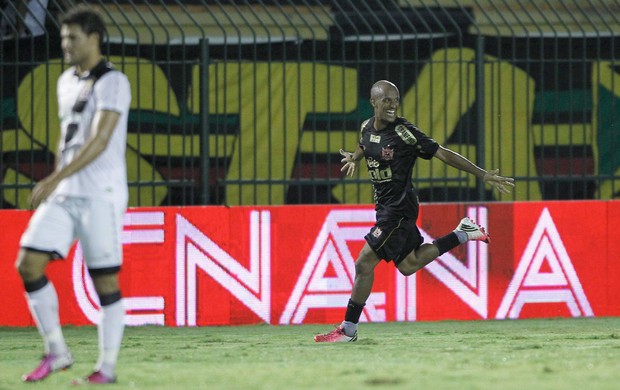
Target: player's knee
[[27, 271], [406, 270], [22, 269], [409, 265], [28, 268], [105, 283], [360, 268], [366, 261]]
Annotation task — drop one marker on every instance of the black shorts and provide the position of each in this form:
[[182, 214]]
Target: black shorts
[[393, 240]]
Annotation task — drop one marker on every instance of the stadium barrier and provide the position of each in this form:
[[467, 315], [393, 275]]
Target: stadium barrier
[[248, 102], [215, 265]]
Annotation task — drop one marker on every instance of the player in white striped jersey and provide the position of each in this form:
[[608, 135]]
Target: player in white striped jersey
[[84, 198]]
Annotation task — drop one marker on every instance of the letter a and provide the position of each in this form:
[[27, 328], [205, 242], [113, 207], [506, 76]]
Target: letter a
[[531, 285]]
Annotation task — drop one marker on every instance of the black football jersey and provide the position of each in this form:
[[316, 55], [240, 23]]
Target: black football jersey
[[390, 156]]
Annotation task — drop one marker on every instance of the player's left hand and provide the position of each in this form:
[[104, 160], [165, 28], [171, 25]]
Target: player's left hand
[[502, 183]]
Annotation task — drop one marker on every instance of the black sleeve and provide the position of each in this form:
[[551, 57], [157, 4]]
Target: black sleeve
[[423, 145], [426, 146]]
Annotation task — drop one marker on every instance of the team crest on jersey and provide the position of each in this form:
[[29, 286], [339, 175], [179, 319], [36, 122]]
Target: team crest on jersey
[[387, 153], [377, 233], [375, 138]]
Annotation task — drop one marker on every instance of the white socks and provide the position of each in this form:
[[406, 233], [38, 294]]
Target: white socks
[[462, 236], [349, 328], [43, 305], [110, 331]]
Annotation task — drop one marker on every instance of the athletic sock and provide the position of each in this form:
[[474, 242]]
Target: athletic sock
[[110, 331], [462, 236], [43, 304], [352, 317], [349, 328], [447, 242]]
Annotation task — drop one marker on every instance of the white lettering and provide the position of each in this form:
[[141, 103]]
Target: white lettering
[[196, 251], [531, 285], [468, 280], [140, 310], [314, 289], [406, 300]]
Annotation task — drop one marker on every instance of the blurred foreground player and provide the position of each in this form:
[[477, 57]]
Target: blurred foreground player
[[84, 198]]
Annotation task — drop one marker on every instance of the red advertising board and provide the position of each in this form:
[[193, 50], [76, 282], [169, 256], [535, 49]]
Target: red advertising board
[[199, 266]]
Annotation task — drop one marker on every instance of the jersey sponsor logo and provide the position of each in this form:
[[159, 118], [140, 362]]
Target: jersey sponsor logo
[[375, 138], [387, 153], [372, 163], [406, 135], [380, 175]]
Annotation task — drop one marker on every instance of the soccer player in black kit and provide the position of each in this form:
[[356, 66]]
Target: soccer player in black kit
[[391, 146]]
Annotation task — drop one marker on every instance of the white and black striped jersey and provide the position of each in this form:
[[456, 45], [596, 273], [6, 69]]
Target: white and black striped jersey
[[79, 98]]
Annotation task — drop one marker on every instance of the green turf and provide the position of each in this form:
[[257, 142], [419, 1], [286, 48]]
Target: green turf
[[525, 354]]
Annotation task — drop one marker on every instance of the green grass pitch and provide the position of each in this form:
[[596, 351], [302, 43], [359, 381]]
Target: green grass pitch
[[562, 354]]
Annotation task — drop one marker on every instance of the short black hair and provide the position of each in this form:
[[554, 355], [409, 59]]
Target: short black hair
[[89, 19]]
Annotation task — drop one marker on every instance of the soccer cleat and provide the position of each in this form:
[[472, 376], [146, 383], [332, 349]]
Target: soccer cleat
[[96, 378], [49, 364], [335, 336], [474, 231]]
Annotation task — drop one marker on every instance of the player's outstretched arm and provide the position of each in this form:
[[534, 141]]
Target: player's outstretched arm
[[450, 157], [351, 160]]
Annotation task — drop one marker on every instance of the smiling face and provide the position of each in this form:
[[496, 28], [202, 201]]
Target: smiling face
[[385, 99]]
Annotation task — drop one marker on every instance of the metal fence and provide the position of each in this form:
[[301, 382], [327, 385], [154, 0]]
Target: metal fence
[[248, 102]]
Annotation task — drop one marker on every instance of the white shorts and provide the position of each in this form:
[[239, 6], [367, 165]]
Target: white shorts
[[59, 221]]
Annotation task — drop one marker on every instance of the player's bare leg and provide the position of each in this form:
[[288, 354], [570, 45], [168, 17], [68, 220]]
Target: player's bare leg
[[466, 230], [362, 286], [418, 259], [364, 274]]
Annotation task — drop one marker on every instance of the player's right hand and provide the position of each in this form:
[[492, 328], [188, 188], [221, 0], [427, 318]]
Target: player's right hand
[[350, 165]]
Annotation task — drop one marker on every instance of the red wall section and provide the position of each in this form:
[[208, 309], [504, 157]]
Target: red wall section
[[187, 266]]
